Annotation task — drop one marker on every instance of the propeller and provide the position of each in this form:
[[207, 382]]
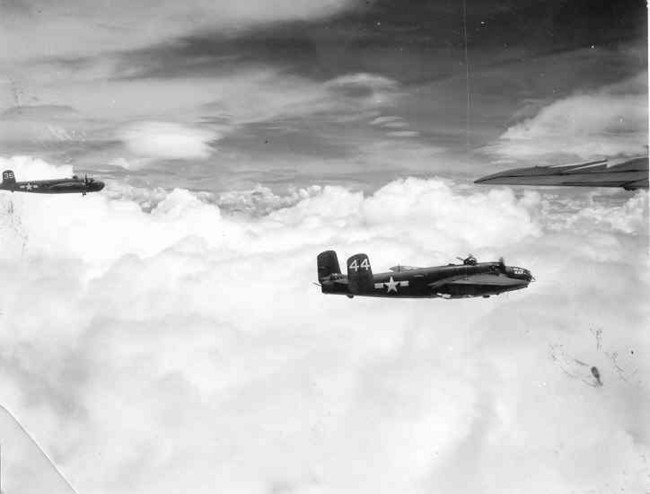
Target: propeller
[[317, 284]]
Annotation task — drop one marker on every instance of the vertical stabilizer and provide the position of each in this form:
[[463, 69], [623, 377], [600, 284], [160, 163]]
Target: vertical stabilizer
[[8, 177], [328, 264], [360, 274]]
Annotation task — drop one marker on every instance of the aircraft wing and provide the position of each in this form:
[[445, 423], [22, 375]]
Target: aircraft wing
[[482, 279], [445, 281], [63, 186], [629, 173]]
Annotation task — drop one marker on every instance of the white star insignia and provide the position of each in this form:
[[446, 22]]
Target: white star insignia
[[391, 285], [29, 187]]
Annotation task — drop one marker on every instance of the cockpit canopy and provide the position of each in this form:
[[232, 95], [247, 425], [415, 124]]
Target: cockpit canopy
[[399, 269]]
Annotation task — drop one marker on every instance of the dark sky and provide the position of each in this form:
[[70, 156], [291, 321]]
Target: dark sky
[[397, 39], [352, 90]]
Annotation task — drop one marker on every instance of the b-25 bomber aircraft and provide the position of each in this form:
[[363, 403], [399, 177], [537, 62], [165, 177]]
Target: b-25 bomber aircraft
[[469, 279], [52, 186]]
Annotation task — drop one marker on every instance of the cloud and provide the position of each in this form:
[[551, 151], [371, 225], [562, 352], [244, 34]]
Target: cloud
[[168, 140], [119, 25], [30, 168], [611, 121], [373, 87], [387, 120], [181, 346], [268, 95], [404, 133], [395, 126], [251, 116], [43, 124]]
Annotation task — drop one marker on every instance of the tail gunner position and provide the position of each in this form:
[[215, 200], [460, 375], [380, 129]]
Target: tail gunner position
[[470, 279], [53, 186]]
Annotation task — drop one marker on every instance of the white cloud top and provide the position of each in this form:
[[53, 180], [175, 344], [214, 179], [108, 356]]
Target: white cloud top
[[184, 348]]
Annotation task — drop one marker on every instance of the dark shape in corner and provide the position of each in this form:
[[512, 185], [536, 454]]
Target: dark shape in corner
[[629, 173], [469, 279], [52, 186]]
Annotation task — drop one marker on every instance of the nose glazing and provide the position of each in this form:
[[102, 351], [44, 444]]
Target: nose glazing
[[519, 273]]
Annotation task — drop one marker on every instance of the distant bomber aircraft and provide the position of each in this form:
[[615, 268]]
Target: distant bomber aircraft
[[53, 186], [469, 279], [629, 173]]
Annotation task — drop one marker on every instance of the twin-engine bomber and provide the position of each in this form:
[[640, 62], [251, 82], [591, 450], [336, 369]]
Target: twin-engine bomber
[[52, 186], [469, 279]]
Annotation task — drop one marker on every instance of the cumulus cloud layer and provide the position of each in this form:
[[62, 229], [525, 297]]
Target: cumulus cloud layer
[[181, 347], [611, 121]]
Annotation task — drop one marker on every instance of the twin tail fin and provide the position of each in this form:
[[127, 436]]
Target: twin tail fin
[[328, 264], [360, 274], [8, 177]]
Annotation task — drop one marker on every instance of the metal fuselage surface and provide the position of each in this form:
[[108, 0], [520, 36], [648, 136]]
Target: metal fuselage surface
[[452, 281], [54, 186], [628, 173]]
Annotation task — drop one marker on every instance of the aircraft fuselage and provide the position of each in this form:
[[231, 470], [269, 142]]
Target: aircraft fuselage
[[53, 186], [452, 281]]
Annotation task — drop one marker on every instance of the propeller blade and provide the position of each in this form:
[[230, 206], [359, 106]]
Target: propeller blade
[[317, 284]]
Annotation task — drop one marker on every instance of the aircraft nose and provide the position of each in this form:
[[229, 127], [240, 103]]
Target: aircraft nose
[[99, 186], [528, 276], [523, 283], [520, 274]]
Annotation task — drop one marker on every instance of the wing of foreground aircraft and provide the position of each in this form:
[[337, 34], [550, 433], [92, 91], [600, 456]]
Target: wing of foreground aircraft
[[629, 173]]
